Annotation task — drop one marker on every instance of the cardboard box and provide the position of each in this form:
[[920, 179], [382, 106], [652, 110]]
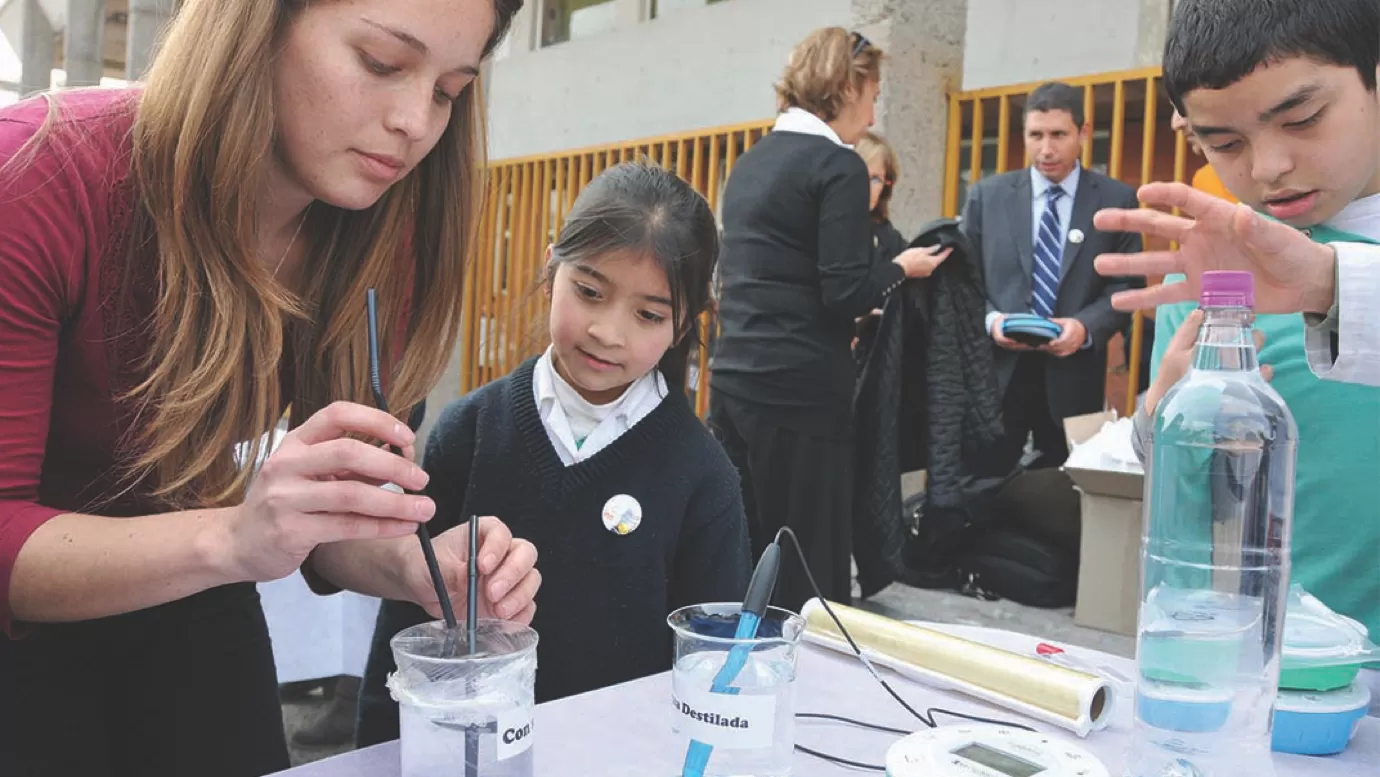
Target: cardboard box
[[1109, 576]]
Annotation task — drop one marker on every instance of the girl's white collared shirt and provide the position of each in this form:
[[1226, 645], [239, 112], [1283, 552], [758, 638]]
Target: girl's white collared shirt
[[578, 429]]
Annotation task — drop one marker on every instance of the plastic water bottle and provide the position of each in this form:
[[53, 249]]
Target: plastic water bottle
[[1219, 504]]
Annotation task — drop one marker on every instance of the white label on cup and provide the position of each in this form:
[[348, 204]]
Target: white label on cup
[[514, 732], [733, 722]]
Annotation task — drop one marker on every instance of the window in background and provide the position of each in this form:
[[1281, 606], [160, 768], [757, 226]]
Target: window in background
[[563, 20], [660, 8]]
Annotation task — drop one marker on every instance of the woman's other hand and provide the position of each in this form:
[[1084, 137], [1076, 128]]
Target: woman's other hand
[[921, 262]]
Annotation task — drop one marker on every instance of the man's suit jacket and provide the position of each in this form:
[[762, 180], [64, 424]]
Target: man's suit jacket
[[998, 219]]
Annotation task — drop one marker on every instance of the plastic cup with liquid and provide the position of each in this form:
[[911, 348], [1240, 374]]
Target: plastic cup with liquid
[[460, 713], [743, 727]]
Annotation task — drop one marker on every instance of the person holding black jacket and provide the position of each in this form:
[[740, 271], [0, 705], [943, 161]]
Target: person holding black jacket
[[797, 269], [882, 173]]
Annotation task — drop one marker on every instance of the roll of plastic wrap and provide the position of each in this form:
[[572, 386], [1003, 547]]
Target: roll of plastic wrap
[[1072, 700]]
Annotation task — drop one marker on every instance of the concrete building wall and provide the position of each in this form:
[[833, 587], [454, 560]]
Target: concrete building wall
[[1015, 41], [696, 67], [711, 65], [924, 41]]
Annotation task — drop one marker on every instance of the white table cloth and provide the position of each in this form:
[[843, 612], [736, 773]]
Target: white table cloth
[[625, 731]]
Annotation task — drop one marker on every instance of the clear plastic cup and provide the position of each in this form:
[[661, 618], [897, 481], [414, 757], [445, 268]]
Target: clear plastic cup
[[461, 714], [743, 726]]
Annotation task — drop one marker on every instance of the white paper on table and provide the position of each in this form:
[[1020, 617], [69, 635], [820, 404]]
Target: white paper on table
[[1108, 450], [317, 636]]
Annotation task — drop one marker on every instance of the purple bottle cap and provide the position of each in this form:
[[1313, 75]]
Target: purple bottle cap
[[1228, 289]]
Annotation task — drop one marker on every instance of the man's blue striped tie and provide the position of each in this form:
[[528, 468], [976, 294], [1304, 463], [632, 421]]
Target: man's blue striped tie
[[1049, 251]]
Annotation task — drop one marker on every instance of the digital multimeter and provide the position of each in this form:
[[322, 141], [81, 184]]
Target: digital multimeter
[[980, 750]]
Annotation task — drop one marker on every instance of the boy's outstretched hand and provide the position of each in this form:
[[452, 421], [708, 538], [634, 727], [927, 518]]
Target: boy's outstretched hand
[[1292, 273]]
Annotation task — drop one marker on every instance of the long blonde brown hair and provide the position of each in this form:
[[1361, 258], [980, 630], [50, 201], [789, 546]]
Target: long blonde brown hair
[[824, 67], [202, 142]]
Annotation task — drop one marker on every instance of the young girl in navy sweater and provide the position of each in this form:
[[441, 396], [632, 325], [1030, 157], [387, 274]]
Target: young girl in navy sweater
[[592, 451]]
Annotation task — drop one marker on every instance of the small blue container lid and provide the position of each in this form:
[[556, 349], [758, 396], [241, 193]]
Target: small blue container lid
[[1178, 707], [1318, 723]]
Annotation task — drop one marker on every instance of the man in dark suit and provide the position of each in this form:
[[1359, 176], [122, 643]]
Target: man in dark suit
[[1033, 230]]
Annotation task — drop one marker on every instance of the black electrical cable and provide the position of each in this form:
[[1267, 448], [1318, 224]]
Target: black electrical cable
[[851, 722], [840, 761], [927, 717]]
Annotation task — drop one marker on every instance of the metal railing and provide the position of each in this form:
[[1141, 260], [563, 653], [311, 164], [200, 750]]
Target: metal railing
[[526, 203], [1116, 105]]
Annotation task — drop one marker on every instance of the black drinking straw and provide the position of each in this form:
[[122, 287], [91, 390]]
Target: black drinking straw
[[471, 615], [472, 600], [422, 534]]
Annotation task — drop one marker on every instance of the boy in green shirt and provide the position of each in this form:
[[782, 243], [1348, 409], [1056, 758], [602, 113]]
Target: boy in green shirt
[[1282, 96]]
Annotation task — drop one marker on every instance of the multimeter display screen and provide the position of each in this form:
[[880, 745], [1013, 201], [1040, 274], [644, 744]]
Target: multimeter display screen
[[995, 759]]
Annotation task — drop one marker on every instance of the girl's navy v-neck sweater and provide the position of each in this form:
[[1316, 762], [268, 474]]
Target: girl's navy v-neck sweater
[[602, 607]]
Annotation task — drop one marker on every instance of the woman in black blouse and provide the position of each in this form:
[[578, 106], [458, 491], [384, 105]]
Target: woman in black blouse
[[797, 270]]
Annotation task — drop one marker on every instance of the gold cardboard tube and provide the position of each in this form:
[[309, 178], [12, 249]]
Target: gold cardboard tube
[[1073, 700]]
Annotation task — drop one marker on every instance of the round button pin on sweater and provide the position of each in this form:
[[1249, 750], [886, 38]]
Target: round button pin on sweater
[[622, 514]]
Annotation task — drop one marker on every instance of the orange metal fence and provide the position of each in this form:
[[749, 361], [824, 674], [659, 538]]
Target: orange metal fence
[[504, 321]]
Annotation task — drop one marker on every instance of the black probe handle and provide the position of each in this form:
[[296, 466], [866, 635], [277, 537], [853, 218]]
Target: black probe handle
[[763, 581]]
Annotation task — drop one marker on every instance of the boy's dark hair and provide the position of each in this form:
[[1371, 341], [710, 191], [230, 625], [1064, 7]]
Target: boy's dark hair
[[1212, 44], [1057, 96], [647, 209]]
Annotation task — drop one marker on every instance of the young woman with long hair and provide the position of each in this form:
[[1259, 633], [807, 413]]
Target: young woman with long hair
[[183, 261]]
